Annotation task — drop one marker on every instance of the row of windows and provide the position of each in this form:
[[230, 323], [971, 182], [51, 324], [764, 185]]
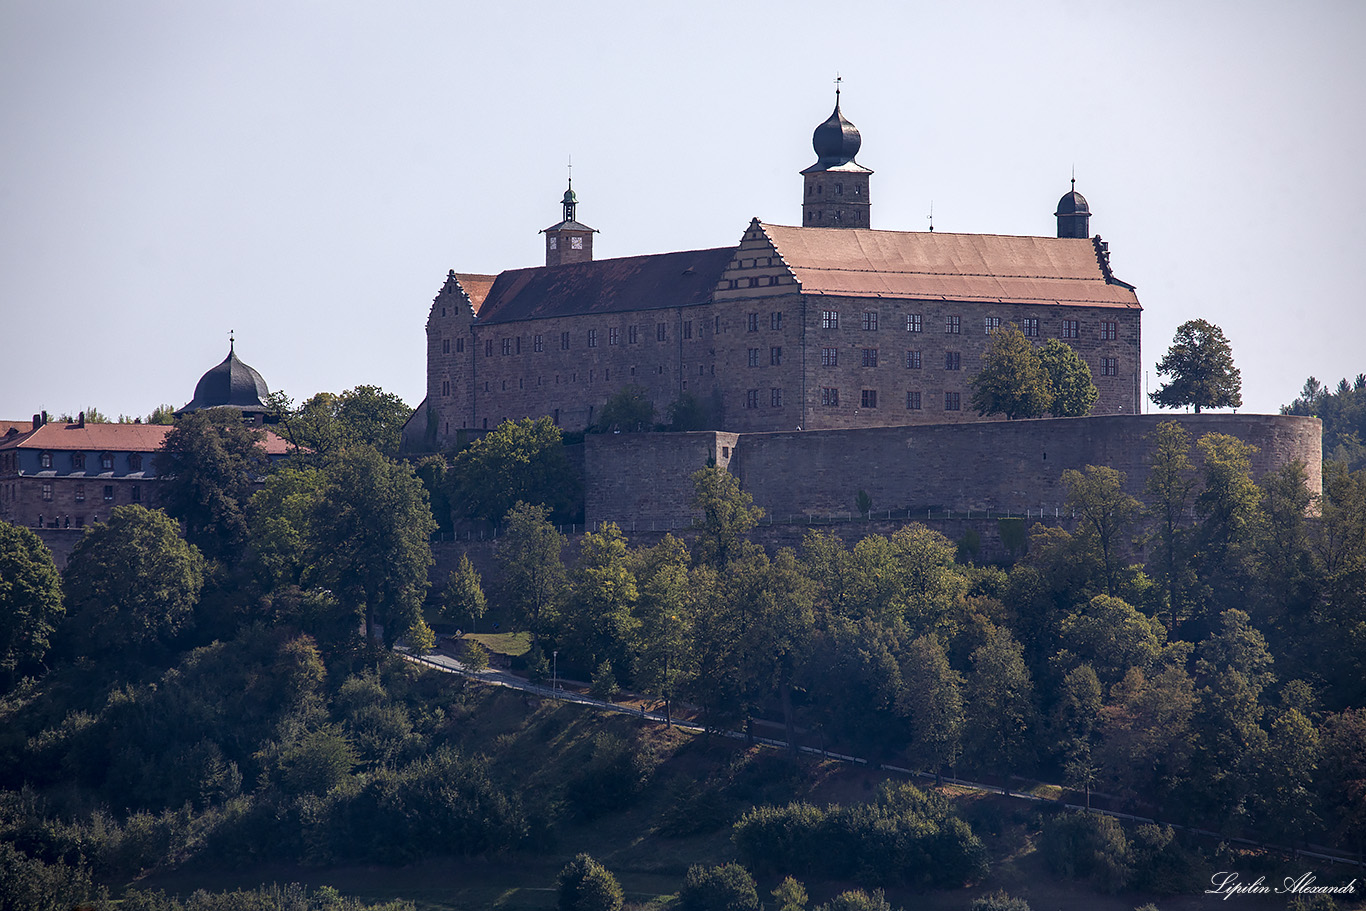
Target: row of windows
[[46, 461], [513, 345], [953, 325], [953, 360], [775, 321], [830, 398], [78, 493], [775, 357], [837, 217], [839, 189], [775, 398]]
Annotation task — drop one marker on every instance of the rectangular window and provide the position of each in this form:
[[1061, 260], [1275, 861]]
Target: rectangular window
[[109, 493], [662, 332], [953, 325], [830, 397], [488, 347], [753, 322], [1109, 366], [592, 338], [1070, 329], [752, 398], [631, 335], [47, 491], [687, 328], [953, 360], [953, 401], [913, 323], [868, 399], [445, 387], [445, 346], [775, 398], [507, 346], [870, 357], [912, 360], [830, 357], [993, 324], [80, 493], [538, 344], [754, 357], [107, 461], [1030, 326], [460, 346], [1109, 330], [912, 401], [870, 321], [78, 461], [45, 460], [775, 320], [564, 341], [614, 336], [830, 319], [137, 493], [775, 357]]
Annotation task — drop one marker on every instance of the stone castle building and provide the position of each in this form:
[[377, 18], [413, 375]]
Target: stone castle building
[[827, 325]]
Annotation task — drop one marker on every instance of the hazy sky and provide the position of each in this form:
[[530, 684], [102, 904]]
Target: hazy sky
[[304, 173]]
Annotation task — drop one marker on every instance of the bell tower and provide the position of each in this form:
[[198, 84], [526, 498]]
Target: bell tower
[[568, 241], [1074, 215], [835, 188]]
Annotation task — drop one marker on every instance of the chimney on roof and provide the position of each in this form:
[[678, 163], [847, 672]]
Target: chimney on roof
[[80, 419], [39, 419]]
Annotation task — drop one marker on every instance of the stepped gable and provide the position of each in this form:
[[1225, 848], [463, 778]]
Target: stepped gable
[[633, 283], [475, 287], [861, 262]]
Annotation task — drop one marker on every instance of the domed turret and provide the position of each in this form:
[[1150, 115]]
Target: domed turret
[[232, 384], [569, 241], [1074, 215], [836, 186]]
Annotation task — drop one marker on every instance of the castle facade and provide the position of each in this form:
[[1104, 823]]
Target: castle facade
[[828, 325]]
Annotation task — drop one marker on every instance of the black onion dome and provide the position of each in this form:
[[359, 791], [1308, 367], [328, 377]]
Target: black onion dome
[[837, 140], [1073, 203], [231, 384]]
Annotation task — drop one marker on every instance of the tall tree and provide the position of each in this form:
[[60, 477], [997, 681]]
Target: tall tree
[[463, 598], [520, 461], [628, 411], [281, 517], [133, 581], [208, 465], [728, 513], [1074, 394], [595, 623], [373, 545], [999, 727], [326, 422], [531, 569], [933, 701], [1171, 482], [1230, 510], [1200, 364], [1013, 381], [30, 599], [664, 613], [1097, 495]]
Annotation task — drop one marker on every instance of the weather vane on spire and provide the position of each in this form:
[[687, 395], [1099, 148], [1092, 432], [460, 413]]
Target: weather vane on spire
[[838, 80], [931, 216], [232, 339]]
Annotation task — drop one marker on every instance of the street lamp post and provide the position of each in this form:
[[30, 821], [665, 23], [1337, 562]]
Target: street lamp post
[[555, 670]]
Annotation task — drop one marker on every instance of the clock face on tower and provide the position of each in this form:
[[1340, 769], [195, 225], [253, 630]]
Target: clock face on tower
[[576, 243]]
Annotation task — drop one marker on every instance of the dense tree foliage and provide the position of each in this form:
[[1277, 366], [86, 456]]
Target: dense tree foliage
[[519, 462], [1013, 381], [629, 410], [1343, 412], [1074, 394], [327, 423], [30, 599], [586, 885], [1200, 364]]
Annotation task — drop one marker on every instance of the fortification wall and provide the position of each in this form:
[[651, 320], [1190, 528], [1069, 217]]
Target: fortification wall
[[1002, 466]]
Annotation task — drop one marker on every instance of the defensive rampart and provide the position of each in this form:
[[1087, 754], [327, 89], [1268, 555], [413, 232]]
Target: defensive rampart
[[1003, 466]]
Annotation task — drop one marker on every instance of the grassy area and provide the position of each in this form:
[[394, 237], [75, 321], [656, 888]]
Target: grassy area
[[512, 644]]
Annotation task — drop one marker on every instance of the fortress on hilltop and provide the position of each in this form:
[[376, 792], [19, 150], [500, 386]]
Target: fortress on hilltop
[[829, 356]]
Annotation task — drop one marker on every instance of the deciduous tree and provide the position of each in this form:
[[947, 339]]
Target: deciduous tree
[[586, 885], [531, 570], [1013, 381], [1171, 482], [520, 461], [1074, 395], [1097, 496], [30, 599], [629, 410], [463, 598], [1200, 364], [728, 513]]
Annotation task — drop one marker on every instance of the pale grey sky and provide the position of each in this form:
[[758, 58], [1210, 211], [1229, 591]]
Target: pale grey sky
[[305, 172]]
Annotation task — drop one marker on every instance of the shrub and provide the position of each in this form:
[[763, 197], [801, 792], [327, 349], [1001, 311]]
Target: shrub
[[1088, 846], [857, 900], [725, 888], [612, 779], [999, 901], [604, 684], [586, 885]]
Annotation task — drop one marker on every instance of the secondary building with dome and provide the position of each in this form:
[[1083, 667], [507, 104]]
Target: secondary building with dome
[[827, 324], [66, 474]]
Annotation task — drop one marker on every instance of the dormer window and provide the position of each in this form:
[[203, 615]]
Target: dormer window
[[135, 462], [107, 461], [78, 461], [44, 460]]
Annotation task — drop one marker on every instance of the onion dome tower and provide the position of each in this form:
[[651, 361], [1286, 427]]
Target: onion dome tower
[[569, 241], [836, 186], [1074, 215], [232, 384]]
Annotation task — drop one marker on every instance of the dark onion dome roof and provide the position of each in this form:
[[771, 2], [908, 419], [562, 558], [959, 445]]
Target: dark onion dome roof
[[232, 384], [837, 140], [1073, 203]]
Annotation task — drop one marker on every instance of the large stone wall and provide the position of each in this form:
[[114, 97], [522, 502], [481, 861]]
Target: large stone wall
[[1002, 466]]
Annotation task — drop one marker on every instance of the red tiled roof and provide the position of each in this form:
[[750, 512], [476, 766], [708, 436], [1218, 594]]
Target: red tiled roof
[[60, 436], [651, 282], [6, 427], [938, 266], [476, 286]]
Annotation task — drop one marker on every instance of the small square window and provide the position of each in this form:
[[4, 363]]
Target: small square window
[[953, 325], [1109, 366], [830, 319], [913, 323], [870, 357], [912, 360], [953, 360], [830, 397], [993, 324], [1070, 329], [107, 461], [868, 399], [870, 321], [830, 357], [1109, 330], [953, 401], [912, 401], [1030, 326]]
